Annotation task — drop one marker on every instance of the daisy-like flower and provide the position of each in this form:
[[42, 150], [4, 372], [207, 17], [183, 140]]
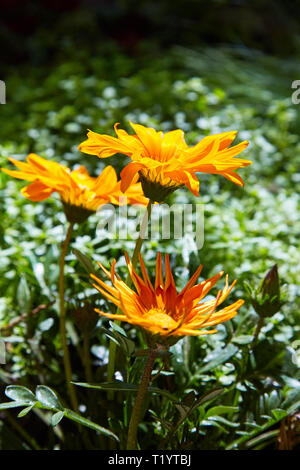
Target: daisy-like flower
[[80, 193], [163, 162], [159, 308]]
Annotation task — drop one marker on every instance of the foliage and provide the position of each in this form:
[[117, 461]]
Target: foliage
[[217, 392]]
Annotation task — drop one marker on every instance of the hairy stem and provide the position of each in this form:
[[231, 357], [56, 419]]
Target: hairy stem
[[62, 319]]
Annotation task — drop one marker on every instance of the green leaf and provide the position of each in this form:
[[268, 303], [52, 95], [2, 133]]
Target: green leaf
[[209, 396], [46, 324], [242, 339], [221, 410], [90, 424], [279, 414], [126, 344], [84, 261], [183, 410], [262, 438], [19, 393], [12, 404], [25, 411], [57, 417], [47, 397], [111, 336], [293, 407], [23, 295], [118, 328], [221, 419], [125, 387], [218, 357], [211, 422], [255, 436]]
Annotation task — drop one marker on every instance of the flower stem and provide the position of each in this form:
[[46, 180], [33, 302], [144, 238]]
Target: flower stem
[[62, 319], [134, 260], [139, 401]]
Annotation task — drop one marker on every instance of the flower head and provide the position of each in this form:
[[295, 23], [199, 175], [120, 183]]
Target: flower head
[[163, 161], [159, 308], [80, 193]]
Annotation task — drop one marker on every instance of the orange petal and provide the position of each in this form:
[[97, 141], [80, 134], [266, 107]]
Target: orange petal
[[159, 282], [112, 316], [192, 281], [144, 273], [103, 146], [37, 191], [129, 175], [234, 177], [151, 139]]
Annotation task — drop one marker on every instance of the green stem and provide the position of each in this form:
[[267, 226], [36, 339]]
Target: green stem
[[62, 319], [134, 260], [139, 402]]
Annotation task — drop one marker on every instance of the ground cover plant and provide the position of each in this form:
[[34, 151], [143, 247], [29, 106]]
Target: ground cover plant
[[238, 388]]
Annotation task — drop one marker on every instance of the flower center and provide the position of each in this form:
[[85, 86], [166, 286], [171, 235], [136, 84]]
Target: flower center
[[160, 319]]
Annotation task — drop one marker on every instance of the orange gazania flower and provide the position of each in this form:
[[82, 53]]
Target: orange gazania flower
[[77, 189], [159, 308], [164, 160]]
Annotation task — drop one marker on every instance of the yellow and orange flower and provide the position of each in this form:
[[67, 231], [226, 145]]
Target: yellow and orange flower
[[159, 308], [77, 189], [163, 161]]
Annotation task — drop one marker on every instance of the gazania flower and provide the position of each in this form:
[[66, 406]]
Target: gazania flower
[[80, 193], [163, 161], [159, 308]]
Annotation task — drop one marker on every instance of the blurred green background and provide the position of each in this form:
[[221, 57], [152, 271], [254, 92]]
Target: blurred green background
[[204, 67]]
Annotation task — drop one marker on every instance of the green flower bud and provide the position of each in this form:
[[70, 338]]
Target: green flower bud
[[266, 299]]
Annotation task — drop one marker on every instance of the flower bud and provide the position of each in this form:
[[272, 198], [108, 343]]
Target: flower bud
[[266, 299]]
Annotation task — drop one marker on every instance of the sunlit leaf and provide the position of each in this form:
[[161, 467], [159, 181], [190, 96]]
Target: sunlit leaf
[[47, 397]]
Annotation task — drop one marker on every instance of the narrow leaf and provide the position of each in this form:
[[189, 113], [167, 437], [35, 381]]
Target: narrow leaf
[[84, 261], [209, 396], [57, 417], [90, 424], [125, 387], [12, 404], [25, 411], [220, 410]]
